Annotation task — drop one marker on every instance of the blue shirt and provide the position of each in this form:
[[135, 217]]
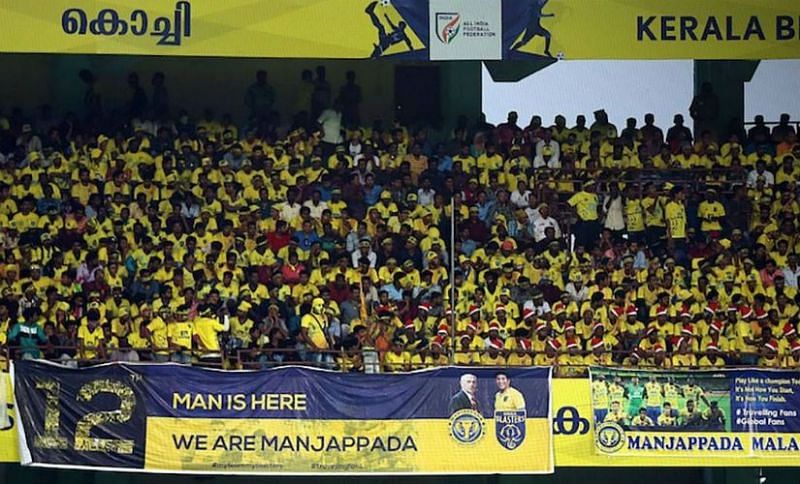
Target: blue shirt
[[371, 196], [305, 241], [395, 294], [445, 164]]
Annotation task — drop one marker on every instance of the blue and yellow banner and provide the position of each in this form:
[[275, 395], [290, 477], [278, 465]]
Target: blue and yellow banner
[[292, 420], [731, 413], [413, 29]]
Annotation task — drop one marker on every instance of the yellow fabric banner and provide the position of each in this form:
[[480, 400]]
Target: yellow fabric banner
[[230, 28], [358, 29], [421, 446], [9, 449], [674, 29]]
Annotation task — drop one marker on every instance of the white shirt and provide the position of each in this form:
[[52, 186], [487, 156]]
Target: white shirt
[[331, 122], [553, 144], [769, 178], [577, 295], [425, 198], [553, 163], [316, 210], [541, 224], [520, 199], [539, 310], [791, 276], [615, 220], [290, 211], [372, 256]]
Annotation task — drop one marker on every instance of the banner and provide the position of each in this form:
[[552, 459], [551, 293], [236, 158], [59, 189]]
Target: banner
[[8, 422], [413, 29], [290, 420], [652, 29], [732, 413]]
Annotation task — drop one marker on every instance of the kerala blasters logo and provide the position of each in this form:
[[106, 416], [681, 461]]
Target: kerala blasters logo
[[447, 26], [467, 426], [510, 427]]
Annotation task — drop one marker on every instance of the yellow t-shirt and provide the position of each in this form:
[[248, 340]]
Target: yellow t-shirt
[[395, 362], [90, 339], [634, 216], [676, 219], [158, 335], [709, 212], [207, 329], [316, 326], [180, 333], [511, 399], [585, 205]]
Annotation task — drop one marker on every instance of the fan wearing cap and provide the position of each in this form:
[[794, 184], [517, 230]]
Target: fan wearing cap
[[565, 307], [522, 347], [792, 358], [437, 355], [598, 353], [241, 324], [473, 323], [712, 357], [571, 364], [651, 339], [424, 322], [493, 356], [769, 353], [682, 356], [631, 329], [662, 313], [716, 335], [659, 358], [502, 320]]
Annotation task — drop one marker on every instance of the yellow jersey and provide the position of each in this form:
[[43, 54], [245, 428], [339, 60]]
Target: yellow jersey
[[509, 400]]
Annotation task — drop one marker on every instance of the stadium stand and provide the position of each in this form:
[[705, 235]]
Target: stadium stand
[[151, 236]]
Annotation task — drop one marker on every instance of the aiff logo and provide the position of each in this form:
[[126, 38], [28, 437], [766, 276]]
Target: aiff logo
[[467, 426], [447, 26]]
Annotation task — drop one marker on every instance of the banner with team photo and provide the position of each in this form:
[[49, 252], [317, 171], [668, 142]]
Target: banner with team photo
[[747, 413], [289, 420]]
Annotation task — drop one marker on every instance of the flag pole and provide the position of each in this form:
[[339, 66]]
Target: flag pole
[[452, 279]]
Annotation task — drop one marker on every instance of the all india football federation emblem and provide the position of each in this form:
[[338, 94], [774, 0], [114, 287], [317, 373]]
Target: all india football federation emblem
[[467, 426], [447, 26], [510, 427], [610, 437]]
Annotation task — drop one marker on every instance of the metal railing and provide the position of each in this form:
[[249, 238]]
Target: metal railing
[[361, 360]]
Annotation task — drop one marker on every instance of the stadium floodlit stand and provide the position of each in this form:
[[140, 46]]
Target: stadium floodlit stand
[[145, 234]]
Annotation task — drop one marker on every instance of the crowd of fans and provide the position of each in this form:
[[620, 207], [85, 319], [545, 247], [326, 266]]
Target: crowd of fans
[[159, 236]]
